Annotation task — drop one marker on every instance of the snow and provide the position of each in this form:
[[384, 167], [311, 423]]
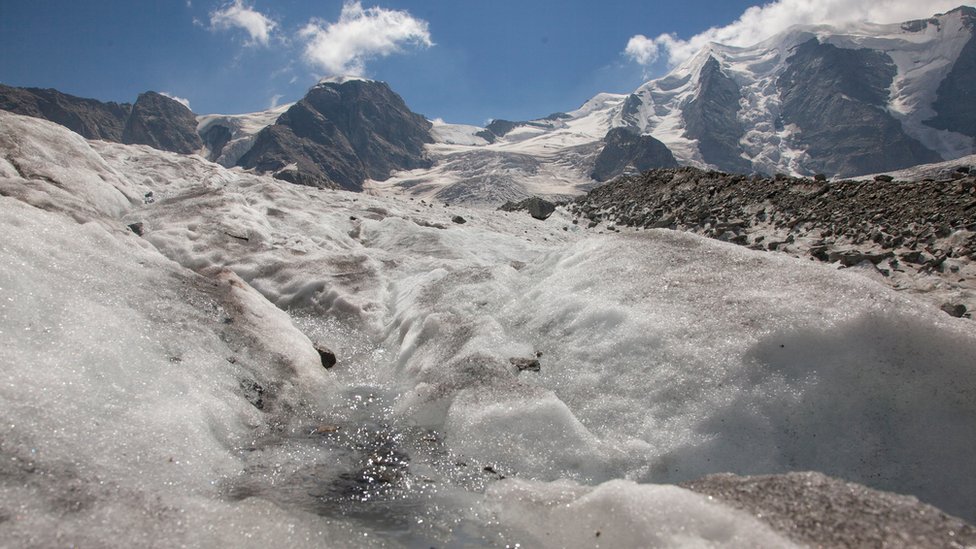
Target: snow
[[342, 79], [130, 367], [623, 514], [244, 130], [553, 157], [456, 134]]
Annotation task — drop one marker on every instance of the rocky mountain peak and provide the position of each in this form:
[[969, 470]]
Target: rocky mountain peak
[[343, 132], [162, 123], [87, 117]]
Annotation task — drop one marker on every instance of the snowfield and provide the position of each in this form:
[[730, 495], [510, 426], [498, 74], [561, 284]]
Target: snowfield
[[165, 389]]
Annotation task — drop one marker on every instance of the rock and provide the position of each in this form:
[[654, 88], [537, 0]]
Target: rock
[[820, 511], [162, 123], [253, 392], [820, 252], [711, 118], [884, 178], [537, 207], [459, 220], [820, 177], [328, 357], [341, 134], [850, 258], [137, 228], [530, 364], [837, 97], [957, 310], [915, 257], [625, 148], [87, 117]]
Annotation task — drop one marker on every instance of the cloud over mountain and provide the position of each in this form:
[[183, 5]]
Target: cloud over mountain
[[361, 34], [758, 23], [238, 15]]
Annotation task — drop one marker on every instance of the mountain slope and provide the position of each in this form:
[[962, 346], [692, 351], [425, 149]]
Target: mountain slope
[[155, 120], [813, 99], [342, 133], [87, 117], [162, 123], [837, 98]]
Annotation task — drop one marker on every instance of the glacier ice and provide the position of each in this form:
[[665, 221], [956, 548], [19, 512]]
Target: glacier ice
[[165, 389]]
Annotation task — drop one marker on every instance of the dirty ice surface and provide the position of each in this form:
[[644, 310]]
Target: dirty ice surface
[[165, 389]]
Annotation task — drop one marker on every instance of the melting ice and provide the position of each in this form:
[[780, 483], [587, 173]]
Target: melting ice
[[165, 389]]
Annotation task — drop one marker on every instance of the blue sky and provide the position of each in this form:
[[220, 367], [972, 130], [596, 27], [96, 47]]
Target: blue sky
[[460, 60]]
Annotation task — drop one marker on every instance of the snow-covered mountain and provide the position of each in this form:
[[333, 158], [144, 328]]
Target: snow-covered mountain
[[499, 381], [844, 102]]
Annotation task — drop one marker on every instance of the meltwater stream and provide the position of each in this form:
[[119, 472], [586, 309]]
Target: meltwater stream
[[362, 463]]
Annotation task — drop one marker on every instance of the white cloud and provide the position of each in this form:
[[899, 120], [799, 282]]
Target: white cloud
[[274, 100], [344, 47], [238, 15], [642, 49], [182, 101], [758, 23]]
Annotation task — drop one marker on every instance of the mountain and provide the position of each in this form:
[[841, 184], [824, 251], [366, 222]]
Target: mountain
[[343, 132], [624, 148], [813, 99], [88, 117], [155, 120], [842, 102], [162, 123]]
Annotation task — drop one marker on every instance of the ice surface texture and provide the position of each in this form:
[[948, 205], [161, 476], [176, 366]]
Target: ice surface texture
[[156, 392]]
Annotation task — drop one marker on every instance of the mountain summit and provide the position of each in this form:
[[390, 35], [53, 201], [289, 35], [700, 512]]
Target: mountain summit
[[341, 133]]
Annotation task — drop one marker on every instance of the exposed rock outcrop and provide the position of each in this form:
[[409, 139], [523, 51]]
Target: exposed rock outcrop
[[154, 119], [955, 103], [537, 207], [711, 119], [340, 134], [162, 123], [87, 117], [626, 150], [837, 99]]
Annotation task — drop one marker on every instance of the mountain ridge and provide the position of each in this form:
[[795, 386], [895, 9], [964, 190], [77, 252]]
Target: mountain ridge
[[813, 99]]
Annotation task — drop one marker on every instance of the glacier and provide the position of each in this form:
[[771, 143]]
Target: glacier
[[165, 389]]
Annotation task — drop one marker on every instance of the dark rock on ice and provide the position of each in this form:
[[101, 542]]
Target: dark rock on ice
[[137, 228], [956, 310], [328, 357], [459, 220], [850, 258], [814, 509], [253, 392], [530, 364], [537, 207]]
